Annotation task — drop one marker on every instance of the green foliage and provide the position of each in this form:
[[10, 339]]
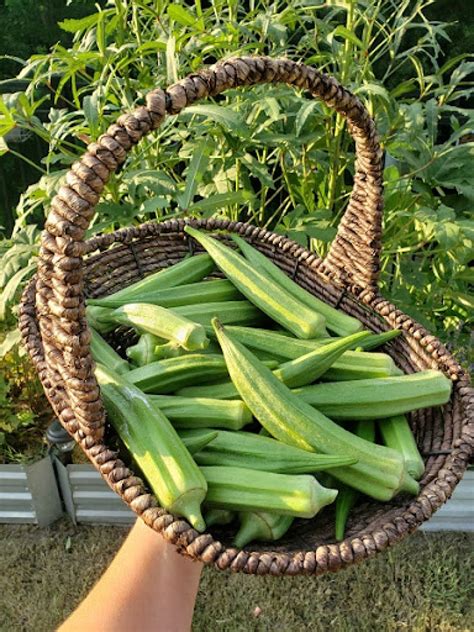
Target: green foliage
[[24, 412], [17, 264], [23, 409], [31, 26], [265, 155]]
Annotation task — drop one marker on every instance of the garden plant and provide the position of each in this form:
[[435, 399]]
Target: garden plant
[[267, 156]]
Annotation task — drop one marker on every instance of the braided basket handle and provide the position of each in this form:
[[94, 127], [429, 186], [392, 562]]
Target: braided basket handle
[[353, 258]]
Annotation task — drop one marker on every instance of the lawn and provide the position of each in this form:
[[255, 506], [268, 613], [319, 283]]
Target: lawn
[[424, 584]]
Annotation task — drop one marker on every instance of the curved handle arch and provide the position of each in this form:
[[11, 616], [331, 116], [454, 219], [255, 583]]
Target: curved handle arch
[[353, 258]]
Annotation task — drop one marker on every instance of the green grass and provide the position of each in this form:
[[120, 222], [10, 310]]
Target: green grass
[[424, 584]]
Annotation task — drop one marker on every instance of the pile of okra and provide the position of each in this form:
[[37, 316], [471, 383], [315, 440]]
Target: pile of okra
[[248, 401]]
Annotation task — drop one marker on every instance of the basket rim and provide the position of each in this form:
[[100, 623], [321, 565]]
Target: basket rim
[[403, 520]]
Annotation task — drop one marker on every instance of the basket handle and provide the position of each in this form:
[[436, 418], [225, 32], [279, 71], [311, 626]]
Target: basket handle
[[353, 258]]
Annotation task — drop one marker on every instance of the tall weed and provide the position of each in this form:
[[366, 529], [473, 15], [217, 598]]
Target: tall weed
[[266, 155]]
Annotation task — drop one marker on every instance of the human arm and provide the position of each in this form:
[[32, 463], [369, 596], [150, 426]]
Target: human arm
[[147, 587]]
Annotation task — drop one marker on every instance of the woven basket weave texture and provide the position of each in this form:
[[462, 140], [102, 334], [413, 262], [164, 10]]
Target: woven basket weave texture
[[53, 324]]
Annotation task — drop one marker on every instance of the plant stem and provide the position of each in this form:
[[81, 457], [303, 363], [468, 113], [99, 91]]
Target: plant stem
[[334, 180]]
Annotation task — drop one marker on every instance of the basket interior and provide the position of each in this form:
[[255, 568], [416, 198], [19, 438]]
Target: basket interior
[[120, 264]]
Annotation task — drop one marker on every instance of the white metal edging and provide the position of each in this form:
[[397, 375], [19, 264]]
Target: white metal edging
[[94, 502], [29, 493]]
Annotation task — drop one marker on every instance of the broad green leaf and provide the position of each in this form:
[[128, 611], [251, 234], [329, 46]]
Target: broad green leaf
[[100, 34], [454, 61], [81, 24], [220, 200], [12, 338], [220, 114], [91, 113], [345, 33], [258, 170], [16, 257], [156, 181], [183, 16], [154, 204], [303, 113], [323, 231], [466, 275], [10, 291], [195, 172], [373, 88], [149, 47]]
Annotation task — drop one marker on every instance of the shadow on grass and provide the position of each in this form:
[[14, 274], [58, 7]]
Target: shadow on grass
[[423, 585]]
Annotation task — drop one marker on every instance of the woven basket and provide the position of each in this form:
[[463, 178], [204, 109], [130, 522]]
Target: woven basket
[[54, 328]]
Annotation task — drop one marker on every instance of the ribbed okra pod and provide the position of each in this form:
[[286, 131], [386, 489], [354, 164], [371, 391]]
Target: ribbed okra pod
[[352, 365], [218, 517], [198, 412], [238, 312], [166, 376], [212, 291], [315, 364], [188, 270], [257, 452], [155, 446], [364, 399], [144, 351], [379, 472], [100, 319], [336, 320], [272, 300], [378, 398], [198, 441], [164, 323], [303, 370], [240, 489], [347, 496], [261, 525], [102, 352], [396, 433]]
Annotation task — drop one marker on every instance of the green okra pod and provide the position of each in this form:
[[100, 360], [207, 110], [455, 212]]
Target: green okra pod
[[143, 352], [102, 352], [218, 517], [396, 433], [210, 291], [261, 525], [378, 398], [238, 312], [198, 441], [197, 412], [336, 320], [315, 364], [379, 472], [347, 497], [240, 489], [164, 323], [166, 376], [257, 452], [352, 365], [273, 301], [155, 446], [188, 270]]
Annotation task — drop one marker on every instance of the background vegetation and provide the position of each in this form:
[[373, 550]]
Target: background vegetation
[[266, 155]]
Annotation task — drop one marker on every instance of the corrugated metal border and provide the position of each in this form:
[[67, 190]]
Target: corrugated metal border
[[88, 499], [458, 513], [94, 502], [29, 494]]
